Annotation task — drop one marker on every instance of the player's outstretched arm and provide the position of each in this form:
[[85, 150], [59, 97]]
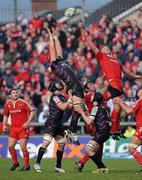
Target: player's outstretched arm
[[105, 87], [89, 41], [52, 46], [130, 73], [58, 46]]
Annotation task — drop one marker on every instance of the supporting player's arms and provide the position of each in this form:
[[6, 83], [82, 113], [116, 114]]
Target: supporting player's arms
[[87, 119], [63, 106], [89, 41], [105, 87], [124, 106]]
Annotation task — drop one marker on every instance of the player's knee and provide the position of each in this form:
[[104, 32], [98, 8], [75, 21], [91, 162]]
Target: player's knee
[[61, 142], [47, 139], [23, 147], [92, 147]]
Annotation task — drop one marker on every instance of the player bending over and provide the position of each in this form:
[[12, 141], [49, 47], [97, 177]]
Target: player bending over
[[99, 116], [65, 73], [53, 126], [112, 69], [137, 137], [21, 115]]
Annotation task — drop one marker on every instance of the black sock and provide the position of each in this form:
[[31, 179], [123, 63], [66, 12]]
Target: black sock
[[41, 152], [97, 161], [59, 155], [74, 121]]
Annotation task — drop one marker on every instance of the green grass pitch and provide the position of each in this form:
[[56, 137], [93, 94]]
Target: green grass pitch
[[118, 170]]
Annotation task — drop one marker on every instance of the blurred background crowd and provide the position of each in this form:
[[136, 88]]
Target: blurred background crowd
[[25, 57]]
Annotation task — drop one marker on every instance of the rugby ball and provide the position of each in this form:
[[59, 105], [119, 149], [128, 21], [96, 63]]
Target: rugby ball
[[70, 12]]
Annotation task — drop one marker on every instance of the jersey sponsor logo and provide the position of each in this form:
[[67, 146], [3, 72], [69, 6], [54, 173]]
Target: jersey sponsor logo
[[15, 111]]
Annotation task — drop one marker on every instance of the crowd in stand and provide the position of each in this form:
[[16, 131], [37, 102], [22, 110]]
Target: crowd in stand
[[25, 58]]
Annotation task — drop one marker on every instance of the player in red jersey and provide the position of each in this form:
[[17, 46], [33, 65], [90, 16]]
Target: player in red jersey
[[21, 114], [112, 69], [137, 137]]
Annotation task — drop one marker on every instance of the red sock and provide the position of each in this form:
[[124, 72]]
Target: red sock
[[84, 159], [137, 156], [26, 158], [115, 118], [13, 154]]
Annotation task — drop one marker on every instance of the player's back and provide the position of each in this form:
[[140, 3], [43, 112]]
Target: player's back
[[64, 72], [102, 119]]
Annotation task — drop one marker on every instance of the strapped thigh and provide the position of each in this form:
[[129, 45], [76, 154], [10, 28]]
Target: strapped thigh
[[47, 138], [93, 145], [60, 140]]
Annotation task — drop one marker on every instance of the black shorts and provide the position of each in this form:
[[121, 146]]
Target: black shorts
[[114, 92], [66, 73], [54, 130], [100, 138]]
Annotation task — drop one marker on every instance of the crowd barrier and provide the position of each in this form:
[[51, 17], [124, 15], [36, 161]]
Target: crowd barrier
[[112, 149]]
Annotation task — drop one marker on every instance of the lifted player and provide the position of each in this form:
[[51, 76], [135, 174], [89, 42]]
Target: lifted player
[[65, 73], [53, 126], [113, 73]]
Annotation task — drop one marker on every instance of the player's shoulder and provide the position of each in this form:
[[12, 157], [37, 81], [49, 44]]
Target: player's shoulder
[[8, 102], [139, 101], [22, 101]]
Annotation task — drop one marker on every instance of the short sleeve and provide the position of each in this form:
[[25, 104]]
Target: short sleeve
[[94, 111], [56, 99], [6, 111], [137, 106], [28, 107]]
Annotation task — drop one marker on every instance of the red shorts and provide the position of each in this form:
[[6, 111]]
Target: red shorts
[[18, 133], [138, 134]]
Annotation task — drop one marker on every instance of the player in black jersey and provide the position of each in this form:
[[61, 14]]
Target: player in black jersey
[[53, 126], [66, 73], [100, 117]]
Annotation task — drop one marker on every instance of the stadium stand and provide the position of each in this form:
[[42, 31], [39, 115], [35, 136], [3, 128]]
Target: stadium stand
[[25, 58]]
